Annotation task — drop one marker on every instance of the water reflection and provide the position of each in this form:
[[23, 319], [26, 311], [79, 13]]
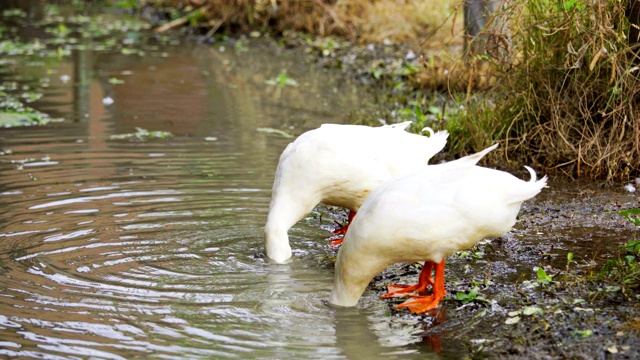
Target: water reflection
[[128, 248]]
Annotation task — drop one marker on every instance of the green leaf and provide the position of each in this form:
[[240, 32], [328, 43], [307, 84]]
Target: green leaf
[[512, 320], [275, 131], [142, 134], [583, 333], [633, 246], [543, 277], [115, 81], [631, 215], [282, 81], [532, 310]]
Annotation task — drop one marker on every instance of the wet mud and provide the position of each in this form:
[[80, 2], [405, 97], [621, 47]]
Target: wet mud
[[577, 314]]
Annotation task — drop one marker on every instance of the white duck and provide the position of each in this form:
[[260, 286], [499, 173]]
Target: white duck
[[339, 165], [427, 216]]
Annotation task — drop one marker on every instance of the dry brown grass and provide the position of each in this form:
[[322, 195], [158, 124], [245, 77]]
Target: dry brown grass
[[566, 96], [361, 20]]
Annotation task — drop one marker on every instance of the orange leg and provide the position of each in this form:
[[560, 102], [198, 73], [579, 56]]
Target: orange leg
[[424, 281], [342, 230], [421, 304], [336, 242]]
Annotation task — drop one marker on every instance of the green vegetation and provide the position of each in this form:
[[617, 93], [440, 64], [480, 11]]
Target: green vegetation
[[65, 31], [567, 92], [623, 272], [142, 134], [282, 81], [469, 296], [284, 134], [13, 108]]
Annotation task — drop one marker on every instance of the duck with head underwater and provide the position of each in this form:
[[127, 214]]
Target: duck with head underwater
[[427, 216], [339, 165]]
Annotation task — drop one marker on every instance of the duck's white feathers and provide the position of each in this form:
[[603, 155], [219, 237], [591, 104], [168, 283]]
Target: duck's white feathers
[[339, 165], [428, 215]]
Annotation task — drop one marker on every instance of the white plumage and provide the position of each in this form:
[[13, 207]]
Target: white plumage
[[427, 216], [339, 165]]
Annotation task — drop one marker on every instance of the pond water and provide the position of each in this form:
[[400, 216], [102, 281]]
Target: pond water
[[117, 247], [127, 248]]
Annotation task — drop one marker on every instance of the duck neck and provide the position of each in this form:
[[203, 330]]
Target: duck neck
[[354, 271], [276, 242]]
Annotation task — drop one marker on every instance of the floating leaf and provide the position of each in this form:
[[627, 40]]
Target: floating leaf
[[281, 81], [142, 134], [275, 131], [27, 117]]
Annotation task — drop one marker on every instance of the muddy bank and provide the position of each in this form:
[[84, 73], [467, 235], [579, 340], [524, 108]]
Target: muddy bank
[[501, 306]]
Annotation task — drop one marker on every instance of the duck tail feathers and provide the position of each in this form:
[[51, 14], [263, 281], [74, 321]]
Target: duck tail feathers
[[435, 142], [474, 158], [532, 187], [541, 183], [402, 126]]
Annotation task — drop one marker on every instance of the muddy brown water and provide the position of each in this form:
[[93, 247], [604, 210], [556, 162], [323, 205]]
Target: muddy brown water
[[126, 249], [123, 248]]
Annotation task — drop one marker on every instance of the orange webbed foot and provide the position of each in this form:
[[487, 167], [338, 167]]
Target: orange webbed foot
[[400, 290], [424, 281], [420, 304]]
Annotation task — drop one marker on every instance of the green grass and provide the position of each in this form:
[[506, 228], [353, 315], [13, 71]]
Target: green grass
[[623, 271], [566, 91]]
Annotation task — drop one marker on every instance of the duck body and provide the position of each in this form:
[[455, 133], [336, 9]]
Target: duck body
[[339, 165], [427, 216]]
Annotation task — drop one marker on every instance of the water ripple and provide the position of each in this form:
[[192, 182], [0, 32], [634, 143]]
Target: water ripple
[[133, 248]]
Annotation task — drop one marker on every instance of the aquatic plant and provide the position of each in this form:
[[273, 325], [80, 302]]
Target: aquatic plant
[[282, 133], [13, 110], [142, 134], [624, 270], [99, 31], [281, 81], [471, 295]]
